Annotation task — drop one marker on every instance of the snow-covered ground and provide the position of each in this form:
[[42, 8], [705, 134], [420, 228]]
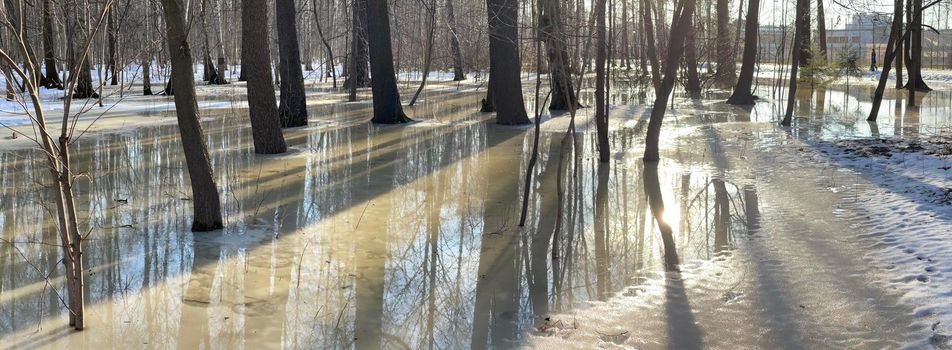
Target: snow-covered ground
[[123, 107], [938, 77], [906, 211]]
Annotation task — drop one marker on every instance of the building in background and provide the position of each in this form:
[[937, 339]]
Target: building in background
[[863, 33]]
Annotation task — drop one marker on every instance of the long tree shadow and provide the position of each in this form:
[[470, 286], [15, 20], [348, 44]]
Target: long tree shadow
[[276, 194], [683, 332]]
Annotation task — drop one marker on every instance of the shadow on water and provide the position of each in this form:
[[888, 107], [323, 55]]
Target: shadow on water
[[367, 237], [683, 332]]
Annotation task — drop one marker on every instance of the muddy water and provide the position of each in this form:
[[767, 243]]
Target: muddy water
[[407, 236]]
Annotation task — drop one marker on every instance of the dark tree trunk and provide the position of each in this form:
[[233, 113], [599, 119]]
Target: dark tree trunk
[[680, 23], [458, 73], [387, 108], [803, 15], [329, 64], [206, 204], [625, 41], [915, 49], [293, 107], [169, 90], [743, 90], [899, 47], [357, 75], [147, 76], [504, 63], [428, 54], [726, 69], [821, 30], [51, 79], [244, 58], [553, 33], [210, 74], [601, 107], [651, 49], [84, 83], [693, 86], [78, 62], [803, 43], [262, 106], [111, 33], [892, 47]]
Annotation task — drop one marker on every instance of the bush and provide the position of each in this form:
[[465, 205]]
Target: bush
[[818, 72], [848, 62]]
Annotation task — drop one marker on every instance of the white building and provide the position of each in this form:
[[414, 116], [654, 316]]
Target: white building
[[864, 33]]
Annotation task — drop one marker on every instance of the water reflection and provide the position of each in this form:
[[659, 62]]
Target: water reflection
[[365, 237]]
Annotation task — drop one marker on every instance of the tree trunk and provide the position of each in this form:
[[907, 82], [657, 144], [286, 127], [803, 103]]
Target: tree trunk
[[553, 33], [84, 83], [222, 58], [51, 78], [821, 30], [743, 90], [726, 68], [915, 49], [892, 47], [458, 74], [147, 76], [681, 21], [262, 106], [206, 204], [899, 47], [693, 86], [329, 64], [601, 107], [210, 74], [803, 15], [293, 107], [504, 64], [625, 41], [357, 76], [428, 54], [386, 97], [650, 41], [79, 63], [111, 33], [803, 43]]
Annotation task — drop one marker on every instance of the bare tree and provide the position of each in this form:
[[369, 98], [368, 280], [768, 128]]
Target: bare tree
[[650, 48], [262, 106], [505, 88], [601, 107], [679, 24], [293, 107], [51, 79], [743, 90], [357, 75], [693, 85], [387, 108], [726, 68], [56, 151], [552, 32], [802, 15], [821, 30], [430, 9], [206, 204], [458, 73]]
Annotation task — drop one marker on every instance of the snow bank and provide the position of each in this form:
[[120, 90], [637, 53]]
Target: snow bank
[[907, 212]]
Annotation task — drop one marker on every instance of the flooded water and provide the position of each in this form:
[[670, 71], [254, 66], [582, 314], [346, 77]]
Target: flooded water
[[407, 236]]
